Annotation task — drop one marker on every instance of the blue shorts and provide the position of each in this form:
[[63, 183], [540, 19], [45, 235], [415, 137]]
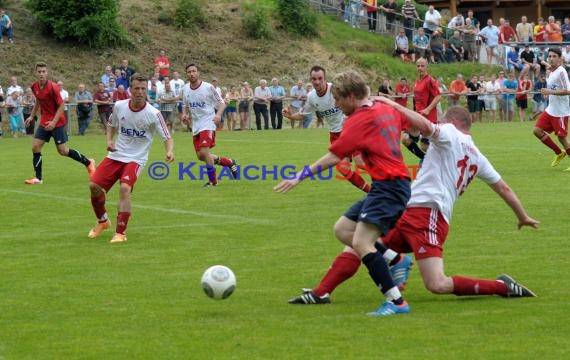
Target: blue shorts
[[383, 205], [59, 134], [179, 108]]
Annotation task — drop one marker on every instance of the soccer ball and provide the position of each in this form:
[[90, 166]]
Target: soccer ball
[[218, 282]]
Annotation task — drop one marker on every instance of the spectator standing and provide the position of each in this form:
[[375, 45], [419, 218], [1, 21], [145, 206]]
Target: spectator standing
[[538, 100], [432, 20], [540, 31], [6, 27], [524, 30], [246, 95], [276, 104], [128, 70], [510, 87], [103, 99], [355, 6], [13, 104], [457, 88], [28, 102], [65, 97], [456, 23], [524, 87], [566, 29], [490, 35], [390, 8], [469, 40], [261, 97], [553, 30], [473, 87], [167, 100], [120, 94], [492, 88], [232, 97], [500, 100], [299, 95], [410, 15], [107, 75], [372, 12], [508, 34], [385, 88], [84, 101], [163, 64], [514, 61], [477, 26], [403, 90], [528, 60]]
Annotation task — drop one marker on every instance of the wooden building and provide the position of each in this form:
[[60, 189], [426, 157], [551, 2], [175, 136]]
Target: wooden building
[[508, 9]]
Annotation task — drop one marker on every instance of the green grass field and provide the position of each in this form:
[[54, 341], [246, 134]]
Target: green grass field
[[64, 296]]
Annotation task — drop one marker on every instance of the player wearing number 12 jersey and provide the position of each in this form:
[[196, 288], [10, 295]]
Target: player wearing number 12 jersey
[[451, 162]]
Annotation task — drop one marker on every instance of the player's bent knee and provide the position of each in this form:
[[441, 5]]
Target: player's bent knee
[[436, 287]]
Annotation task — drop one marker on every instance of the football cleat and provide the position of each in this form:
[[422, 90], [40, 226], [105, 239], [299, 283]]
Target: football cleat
[[234, 169], [557, 159], [33, 181], [91, 168], [308, 297], [514, 289], [98, 229], [389, 308], [209, 185], [401, 271], [118, 238]]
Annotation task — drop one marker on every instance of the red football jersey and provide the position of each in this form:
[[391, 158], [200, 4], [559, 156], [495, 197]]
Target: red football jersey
[[425, 91], [374, 131], [50, 100]]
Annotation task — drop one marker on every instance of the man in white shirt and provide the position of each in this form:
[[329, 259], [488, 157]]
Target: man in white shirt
[[176, 84], [135, 122], [555, 116], [431, 20], [200, 99], [451, 162]]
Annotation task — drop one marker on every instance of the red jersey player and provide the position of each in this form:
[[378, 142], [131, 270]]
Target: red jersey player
[[374, 131], [52, 124]]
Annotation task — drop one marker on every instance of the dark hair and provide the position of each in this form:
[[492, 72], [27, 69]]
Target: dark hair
[[318, 68], [556, 50], [192, 64]]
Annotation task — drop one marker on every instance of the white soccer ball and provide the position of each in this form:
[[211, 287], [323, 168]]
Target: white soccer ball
[[218, 282]]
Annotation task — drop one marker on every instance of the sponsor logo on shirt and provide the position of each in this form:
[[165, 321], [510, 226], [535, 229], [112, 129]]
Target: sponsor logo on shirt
[[198, 104], [133, 132], [329, 112]]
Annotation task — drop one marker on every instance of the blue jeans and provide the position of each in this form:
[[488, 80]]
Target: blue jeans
[[9, 32]]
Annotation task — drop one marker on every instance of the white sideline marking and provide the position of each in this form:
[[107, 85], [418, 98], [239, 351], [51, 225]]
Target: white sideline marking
[[238, 219]]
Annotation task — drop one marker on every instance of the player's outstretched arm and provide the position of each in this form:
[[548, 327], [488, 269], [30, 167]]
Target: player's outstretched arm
[[169, 147], [328, 160], [509, 196], [419, 122]]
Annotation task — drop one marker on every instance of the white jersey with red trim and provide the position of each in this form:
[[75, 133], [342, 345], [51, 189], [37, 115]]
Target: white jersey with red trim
[[451, 162], [558, 105], [202, 102], [325, 105], [135, 130]]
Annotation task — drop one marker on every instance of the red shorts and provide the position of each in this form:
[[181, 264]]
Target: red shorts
[[421, 231], [109, 171], [549, 123], [205, 138]]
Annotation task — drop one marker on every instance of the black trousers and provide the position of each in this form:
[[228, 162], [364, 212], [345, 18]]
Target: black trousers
[[259, 110], [276, 110]]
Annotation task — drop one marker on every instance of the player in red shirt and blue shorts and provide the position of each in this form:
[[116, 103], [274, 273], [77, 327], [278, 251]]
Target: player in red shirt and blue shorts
[[52, 124], [374, 131]]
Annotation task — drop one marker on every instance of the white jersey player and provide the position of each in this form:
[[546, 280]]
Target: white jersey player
[[135, 130], [451, 162], [555, 117], [135, 122], [320, 100], [203, 107]]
